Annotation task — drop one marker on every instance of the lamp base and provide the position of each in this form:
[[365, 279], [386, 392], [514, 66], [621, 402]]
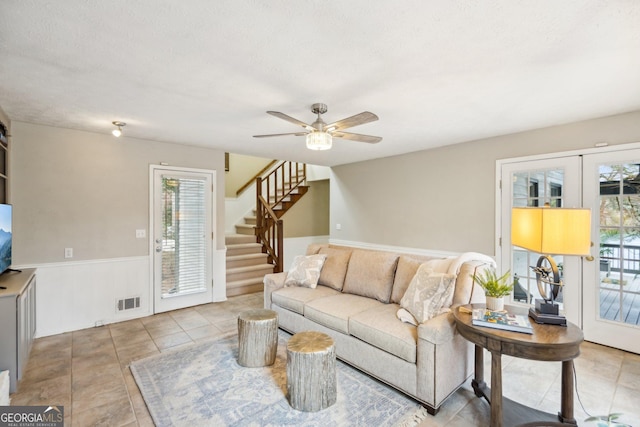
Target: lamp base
[[545, 307], [547, 319]]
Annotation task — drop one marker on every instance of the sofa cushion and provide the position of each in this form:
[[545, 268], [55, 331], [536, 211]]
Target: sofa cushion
[[335, 267], [370, 274], [428, 293], [334, 311], [294, 298], [305, 271], [379, 327], [407, 268]]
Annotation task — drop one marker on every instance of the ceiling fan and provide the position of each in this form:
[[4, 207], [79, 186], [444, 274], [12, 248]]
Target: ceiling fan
[[319, 135]]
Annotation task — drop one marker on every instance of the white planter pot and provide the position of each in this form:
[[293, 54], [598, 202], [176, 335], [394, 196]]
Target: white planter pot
[[496, 304]]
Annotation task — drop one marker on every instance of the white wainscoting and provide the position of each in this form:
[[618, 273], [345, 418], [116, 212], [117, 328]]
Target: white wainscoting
[[83, 294]]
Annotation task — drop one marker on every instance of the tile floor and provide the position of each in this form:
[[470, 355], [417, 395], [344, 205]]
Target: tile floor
[[87, 372]]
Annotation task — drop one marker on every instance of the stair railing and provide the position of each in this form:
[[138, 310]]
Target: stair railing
[[272, 190], [253, 178]]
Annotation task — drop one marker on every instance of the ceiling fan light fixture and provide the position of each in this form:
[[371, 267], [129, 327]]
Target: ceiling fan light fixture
[[319, 141], [118, 131]]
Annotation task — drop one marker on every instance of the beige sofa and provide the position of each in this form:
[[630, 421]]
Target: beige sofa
[[357, 301]]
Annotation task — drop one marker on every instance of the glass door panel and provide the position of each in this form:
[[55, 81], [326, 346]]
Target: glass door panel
[[551, 182], [182, 239], [612, 287], [533, 188]]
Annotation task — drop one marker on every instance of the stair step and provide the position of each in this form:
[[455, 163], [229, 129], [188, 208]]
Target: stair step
[[242, 287], [245, 282], [246, 260], [284, 199], [250, 220], [234, 239], [247, 229], [243, 249], [254, 271]]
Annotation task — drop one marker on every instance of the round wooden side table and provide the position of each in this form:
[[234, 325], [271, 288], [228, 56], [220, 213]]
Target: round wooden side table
[[257, 338], [311, 371], [549, 343]]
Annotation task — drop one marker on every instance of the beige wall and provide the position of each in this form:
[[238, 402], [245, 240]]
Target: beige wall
[[90, 192], [310, 215], [444, 199], [241, 169]]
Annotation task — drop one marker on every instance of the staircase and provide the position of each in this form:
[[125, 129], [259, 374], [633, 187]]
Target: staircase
[[248, 261], [246, 264]]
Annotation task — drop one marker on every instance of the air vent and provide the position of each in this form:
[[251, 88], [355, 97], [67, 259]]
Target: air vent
[[128, 303]]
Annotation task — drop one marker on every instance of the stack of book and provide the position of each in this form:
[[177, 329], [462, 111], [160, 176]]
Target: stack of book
[[502, 320]]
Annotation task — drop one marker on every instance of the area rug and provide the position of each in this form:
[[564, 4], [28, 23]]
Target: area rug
[[203, 385]]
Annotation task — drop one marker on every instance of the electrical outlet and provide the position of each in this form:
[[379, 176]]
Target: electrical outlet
[[68, 252], [141, 234], [338, 226]]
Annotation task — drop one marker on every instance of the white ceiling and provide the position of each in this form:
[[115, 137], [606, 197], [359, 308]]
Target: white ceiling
[[204, 72]]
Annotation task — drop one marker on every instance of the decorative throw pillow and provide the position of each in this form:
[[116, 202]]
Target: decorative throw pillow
[[305, 271], [406, 317], [428, 294], [440, 265]]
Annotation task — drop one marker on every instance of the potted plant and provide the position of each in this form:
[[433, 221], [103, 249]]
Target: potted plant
[[495, 288]]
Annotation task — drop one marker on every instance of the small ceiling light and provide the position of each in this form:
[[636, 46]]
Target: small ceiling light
[[117, 132], [319, 140]]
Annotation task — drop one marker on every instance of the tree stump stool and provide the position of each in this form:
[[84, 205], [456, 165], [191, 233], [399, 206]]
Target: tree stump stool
[[257, 338], [311, 371]]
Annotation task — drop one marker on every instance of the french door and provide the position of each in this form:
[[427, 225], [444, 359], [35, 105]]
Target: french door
[[181, 238], [552, 182], [601, 293], [612, 284]]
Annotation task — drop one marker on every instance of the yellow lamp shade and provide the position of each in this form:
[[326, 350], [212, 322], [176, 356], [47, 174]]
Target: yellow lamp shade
[[554, 231]]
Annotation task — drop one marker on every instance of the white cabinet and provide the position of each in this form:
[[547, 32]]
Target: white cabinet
[[17, 321]]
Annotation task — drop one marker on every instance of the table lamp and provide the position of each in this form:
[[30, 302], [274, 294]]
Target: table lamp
[[550, 231]]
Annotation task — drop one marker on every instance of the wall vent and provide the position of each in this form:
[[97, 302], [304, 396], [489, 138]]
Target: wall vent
[[128, 303]]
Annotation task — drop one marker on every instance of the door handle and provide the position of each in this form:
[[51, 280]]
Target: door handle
[[158, 248]]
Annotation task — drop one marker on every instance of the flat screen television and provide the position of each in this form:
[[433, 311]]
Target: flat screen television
[[5, 237]]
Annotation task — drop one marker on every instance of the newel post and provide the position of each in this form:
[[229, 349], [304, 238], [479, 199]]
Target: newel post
[[259, 209]]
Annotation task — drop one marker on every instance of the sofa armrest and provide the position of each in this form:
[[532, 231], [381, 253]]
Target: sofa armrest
[[272, 282], [438, 330]]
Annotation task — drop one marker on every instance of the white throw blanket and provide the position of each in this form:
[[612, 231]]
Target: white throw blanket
[[454, 267]]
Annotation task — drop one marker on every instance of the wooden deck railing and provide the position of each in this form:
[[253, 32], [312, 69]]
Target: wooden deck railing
[[271, 191]]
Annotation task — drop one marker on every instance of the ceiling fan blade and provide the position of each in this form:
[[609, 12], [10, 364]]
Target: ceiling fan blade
[[290, 119], [357, 137], [280, 134], [358, 119]]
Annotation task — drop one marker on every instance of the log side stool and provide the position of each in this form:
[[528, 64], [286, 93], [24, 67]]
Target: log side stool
[[257, 338], [311, 371]]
